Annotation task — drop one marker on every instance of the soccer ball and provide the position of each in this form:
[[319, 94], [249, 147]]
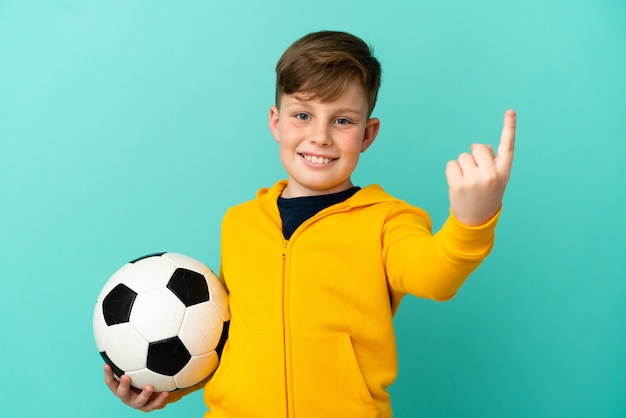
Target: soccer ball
[[163, 320]]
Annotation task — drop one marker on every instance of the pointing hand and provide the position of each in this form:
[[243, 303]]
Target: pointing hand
[[477, 180]]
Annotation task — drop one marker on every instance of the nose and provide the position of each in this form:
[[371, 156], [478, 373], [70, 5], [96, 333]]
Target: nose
[[321, 134]]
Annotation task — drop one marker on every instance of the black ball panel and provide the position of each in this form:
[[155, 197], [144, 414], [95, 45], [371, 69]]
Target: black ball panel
[[223, 338], [117, 305], [146, 256], [167, 357], [116, 370], [189, 286]]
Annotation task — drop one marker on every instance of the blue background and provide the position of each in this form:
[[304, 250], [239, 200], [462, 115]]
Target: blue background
[[128, 127]]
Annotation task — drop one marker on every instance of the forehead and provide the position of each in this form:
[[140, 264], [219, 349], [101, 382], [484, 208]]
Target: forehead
[[352, 97]]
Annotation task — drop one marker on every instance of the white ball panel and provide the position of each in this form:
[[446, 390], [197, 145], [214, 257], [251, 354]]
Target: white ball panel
[[149, 273], [157, 314], [99, 326], [219, 297], [184, 261], [142, 378], [114, 280], [198, 368], [125, 347], [201, 329]]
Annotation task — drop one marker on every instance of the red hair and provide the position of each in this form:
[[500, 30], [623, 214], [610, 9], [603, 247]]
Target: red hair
[[321, 64]]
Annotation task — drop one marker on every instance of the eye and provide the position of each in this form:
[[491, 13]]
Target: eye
[[302, 116], [342, 121]]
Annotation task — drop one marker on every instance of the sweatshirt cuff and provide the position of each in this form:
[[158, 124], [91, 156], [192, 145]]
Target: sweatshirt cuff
[[472, 241]]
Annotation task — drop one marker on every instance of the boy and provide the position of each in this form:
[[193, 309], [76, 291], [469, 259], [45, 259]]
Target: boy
[[316, 267]]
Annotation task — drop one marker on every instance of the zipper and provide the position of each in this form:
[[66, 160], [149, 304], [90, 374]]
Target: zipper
[[285, 320], [286, 288]]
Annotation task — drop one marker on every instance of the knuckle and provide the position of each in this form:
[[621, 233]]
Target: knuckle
[[455, 188], [490, 177]]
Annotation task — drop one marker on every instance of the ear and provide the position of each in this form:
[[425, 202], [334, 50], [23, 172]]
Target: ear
[[273, 122], [371, 130]]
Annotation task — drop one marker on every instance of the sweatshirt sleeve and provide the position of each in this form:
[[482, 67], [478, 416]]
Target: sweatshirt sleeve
[[432, 266], [177, 395]]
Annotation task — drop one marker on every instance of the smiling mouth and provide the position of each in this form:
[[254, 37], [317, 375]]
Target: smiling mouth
[[317, 160]]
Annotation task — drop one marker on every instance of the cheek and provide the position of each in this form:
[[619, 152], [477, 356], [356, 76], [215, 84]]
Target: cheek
[[354, 146], [286, 152], [286, 135], [286, 141], [350, 155]]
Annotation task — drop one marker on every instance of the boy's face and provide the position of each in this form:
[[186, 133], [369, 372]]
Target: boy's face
[[320, 142]]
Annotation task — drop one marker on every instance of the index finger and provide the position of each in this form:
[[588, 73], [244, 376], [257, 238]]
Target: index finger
[[109, 379], [507, 140]]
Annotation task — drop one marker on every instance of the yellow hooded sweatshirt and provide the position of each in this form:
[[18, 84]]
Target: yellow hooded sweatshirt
[[311, 333]]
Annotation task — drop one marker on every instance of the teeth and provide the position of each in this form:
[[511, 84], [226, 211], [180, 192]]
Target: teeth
[[317, 160]]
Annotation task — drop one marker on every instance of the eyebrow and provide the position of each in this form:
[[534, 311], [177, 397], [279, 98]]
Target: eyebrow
[[298, 102], [348, 110]]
